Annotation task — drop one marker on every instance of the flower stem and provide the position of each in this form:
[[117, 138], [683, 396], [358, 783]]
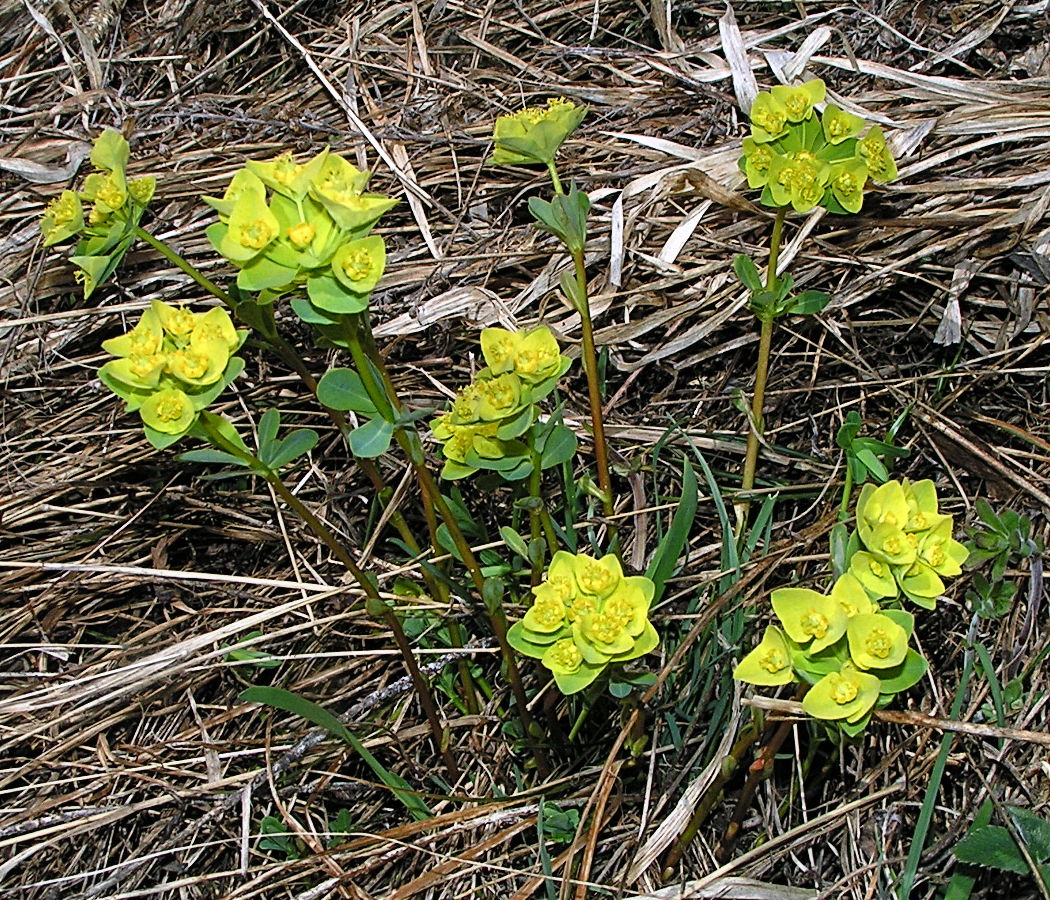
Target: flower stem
[[555, 180], [157, 244], [765, 341], [369, 362], [847, 489], [375, 604], [594, 391], [536, 509]]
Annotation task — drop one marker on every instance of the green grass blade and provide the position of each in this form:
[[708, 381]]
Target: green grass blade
[[929, 802], [671, 545], [300, 706]]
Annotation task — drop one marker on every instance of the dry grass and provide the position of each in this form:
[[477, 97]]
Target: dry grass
[[130, 769]]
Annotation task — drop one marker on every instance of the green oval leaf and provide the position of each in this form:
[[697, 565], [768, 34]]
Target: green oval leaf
[[371, 439], [343, 389]]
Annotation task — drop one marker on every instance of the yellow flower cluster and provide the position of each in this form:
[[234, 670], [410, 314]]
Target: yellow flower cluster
[[853, 653], [285, 224], [103, 214], [585, 615], [172, 364], [480, 430], [803, 159]]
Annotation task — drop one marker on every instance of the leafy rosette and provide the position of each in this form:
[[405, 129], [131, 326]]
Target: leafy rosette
[[533, 135], [586, 616], [103, 214], [171, 366], [493, 422], [289, 225], [803, 160]]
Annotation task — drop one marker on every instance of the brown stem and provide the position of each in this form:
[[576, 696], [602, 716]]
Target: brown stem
[[368, 361], [711, 796], [760, 769], [594, 391], [374, 600], [437, 730]]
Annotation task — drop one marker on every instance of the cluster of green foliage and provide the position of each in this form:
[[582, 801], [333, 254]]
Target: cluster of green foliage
[[171, 366], [312, 232], [804, 160]]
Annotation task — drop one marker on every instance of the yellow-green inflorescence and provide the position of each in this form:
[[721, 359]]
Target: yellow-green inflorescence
[[102, 214], [287, 224], [171, 365], [481, 430], [585, 616], [851, 645], [533, 135], [803, 158]]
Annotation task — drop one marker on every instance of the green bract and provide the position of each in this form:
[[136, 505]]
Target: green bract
[[808, 616], [534, 135], [798, 100], [838, 125], [769, 663], [172, 365], [847, 694], [803, 161], [63, 218], [876, 641], [585, 616]]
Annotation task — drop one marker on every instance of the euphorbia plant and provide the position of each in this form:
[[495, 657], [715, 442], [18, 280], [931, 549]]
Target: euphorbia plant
[[851, 646], [800, 158]]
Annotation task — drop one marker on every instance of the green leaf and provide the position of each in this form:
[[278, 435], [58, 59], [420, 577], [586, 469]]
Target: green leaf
[[571, 287], [1034, 831], [269, 422], [903, 676], [343, 389], [300, 441], [963, 878], [993, 847], [873, 464], [518, 425], [514, 541], [664, 560], [809, 302], [746, 271], [211, 456], [158, 439], [205, 398], [309, 313], [110, 151], [263, 273], [849, 430], [329, 296], [565, 216], [300, 706], [559, 446], [839, 542], [257, 658], [372, 439]]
